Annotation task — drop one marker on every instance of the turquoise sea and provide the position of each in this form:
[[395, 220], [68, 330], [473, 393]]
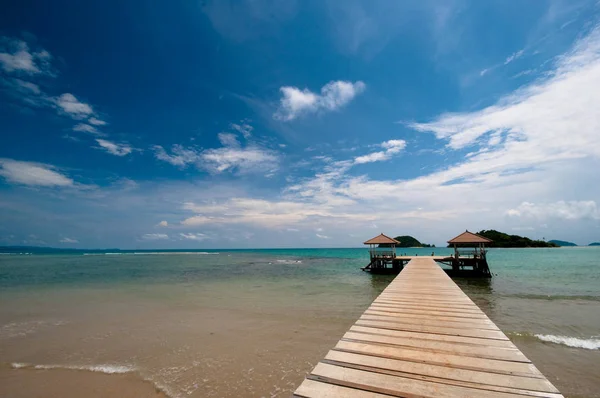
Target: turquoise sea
[[253, 322]]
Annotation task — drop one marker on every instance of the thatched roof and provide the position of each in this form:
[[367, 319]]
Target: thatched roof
[[469, 237], [382, 239]]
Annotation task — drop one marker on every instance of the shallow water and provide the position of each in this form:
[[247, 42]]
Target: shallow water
[[254, 322]]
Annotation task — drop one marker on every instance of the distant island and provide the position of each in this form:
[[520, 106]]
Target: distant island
[[562, 242], [594, 244], [500, 239], [409, 241]]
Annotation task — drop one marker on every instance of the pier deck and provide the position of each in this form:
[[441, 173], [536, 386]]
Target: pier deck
[[423, 337]]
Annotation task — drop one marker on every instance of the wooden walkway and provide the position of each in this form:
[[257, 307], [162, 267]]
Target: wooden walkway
[[423, 337], [435, 258]]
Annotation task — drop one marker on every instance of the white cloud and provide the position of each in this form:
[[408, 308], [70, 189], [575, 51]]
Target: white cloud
[[231, 157], [392, 147], [155, 237], [15, 56], [514, 56], [31, 87], [86, 128], [322, 236], [334, 95], [246, 160], [33, 174], [114, 148], [566, 210], [266, 213], [193, 236], [68, 240], [534, 119], [96, 121], [243, 128], [228, 139], [180, 156], [162, 224], [70, 105]]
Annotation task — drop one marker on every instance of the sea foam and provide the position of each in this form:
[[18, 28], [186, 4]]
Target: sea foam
[[588, 344], [108, 369]]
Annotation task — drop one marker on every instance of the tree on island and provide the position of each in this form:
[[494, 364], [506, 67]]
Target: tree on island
[[500, 239], [409, 241]]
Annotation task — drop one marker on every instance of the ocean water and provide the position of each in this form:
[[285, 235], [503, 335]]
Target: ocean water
[[253, 322]]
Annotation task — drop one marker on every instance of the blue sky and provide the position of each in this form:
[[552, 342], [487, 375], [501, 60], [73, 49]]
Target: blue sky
[[217, 124]]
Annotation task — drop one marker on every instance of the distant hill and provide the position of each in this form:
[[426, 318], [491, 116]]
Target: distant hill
[[409, 241], [562, 242], [594, 244], [500, 239]]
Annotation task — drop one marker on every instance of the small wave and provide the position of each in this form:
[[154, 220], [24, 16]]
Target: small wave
[[588, 344], [108, 369], [289, 261], [20, 329]]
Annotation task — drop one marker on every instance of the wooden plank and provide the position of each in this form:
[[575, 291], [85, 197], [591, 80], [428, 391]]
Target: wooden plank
[[368, 315], [377, 311], [507, 354], [315, 389], [416, 304], [376, 307], [418, 307], [396, 385], [486, 334], [449, 360], [441, 372], [421, 300], [423, 304], [434, 337]]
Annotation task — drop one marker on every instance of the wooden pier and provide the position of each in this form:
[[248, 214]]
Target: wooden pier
[[423, 337]]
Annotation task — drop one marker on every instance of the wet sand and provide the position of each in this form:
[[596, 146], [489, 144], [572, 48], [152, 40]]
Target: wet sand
[[60, 383]]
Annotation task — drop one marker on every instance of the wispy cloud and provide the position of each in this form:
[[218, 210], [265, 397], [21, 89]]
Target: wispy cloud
[[96, 121], [535, 118], [232, 157], [391, 148], [243, 128], [251, 159], [566, 210], [71, 106], [117, 149], [28, 86], [68, 240], [16, 56], [179, 156], [511, 58], [33, 174], [155, 237], [514, 56], [197, 236], [86, 128], [334, 95]]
